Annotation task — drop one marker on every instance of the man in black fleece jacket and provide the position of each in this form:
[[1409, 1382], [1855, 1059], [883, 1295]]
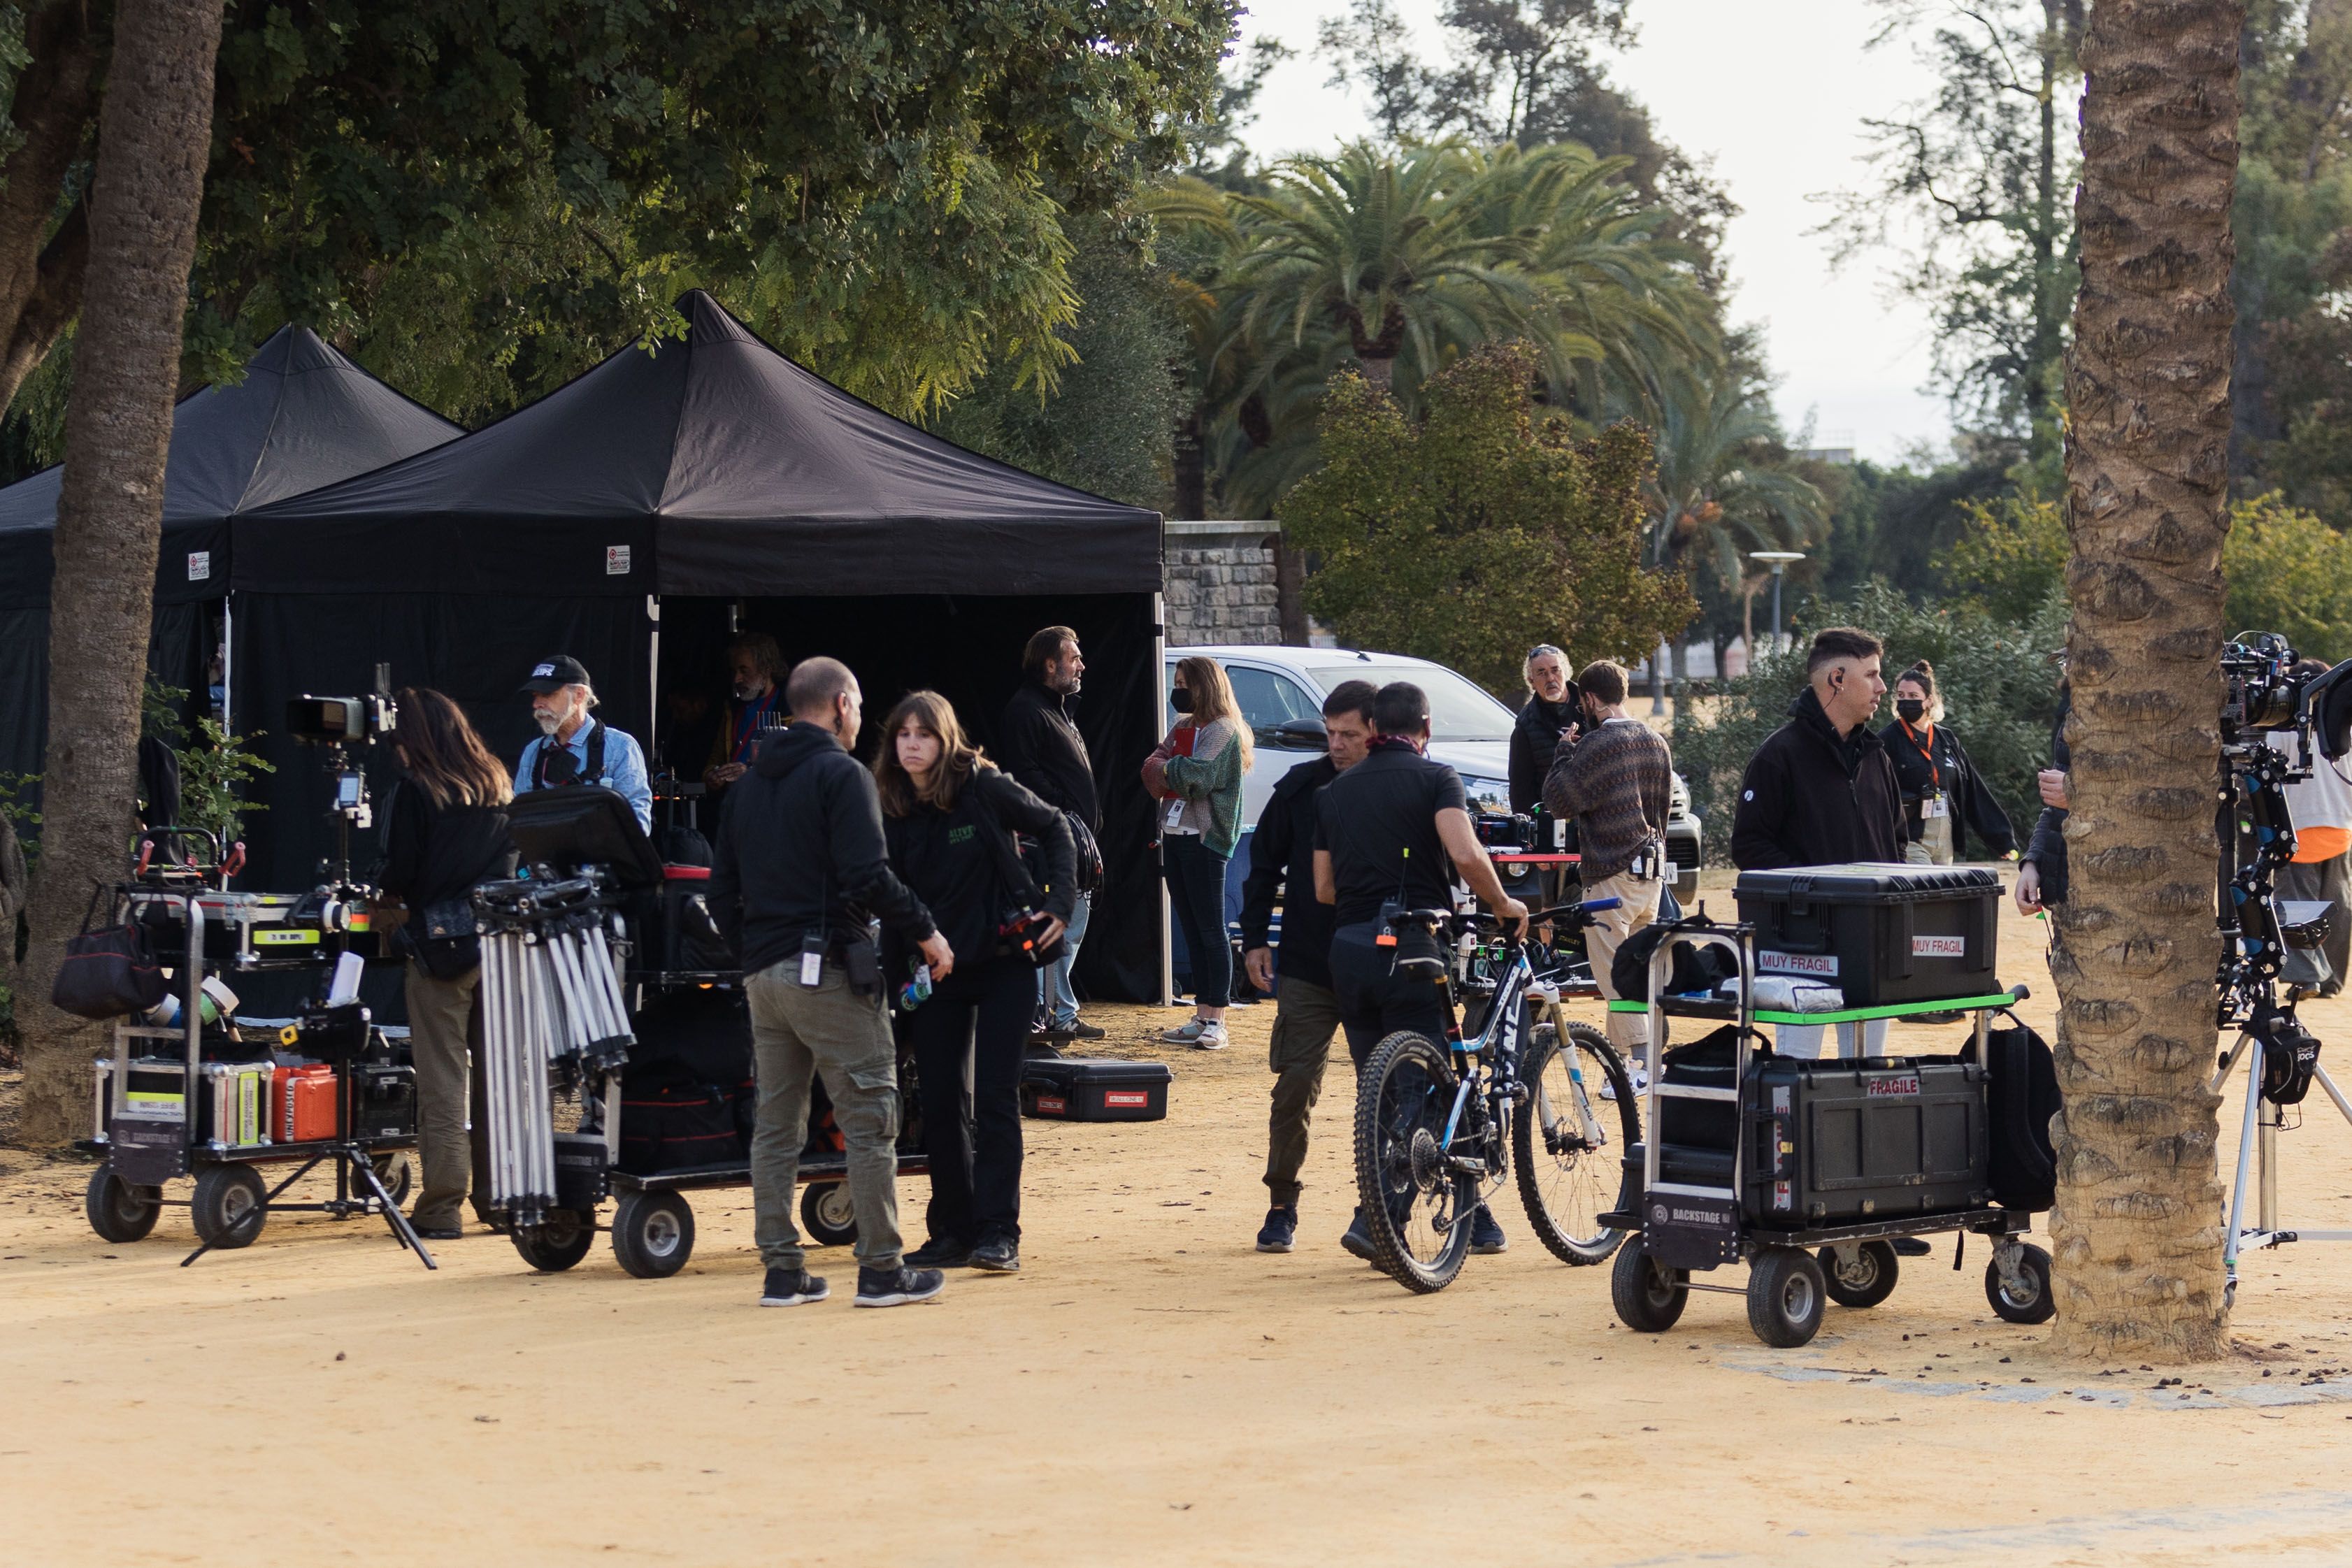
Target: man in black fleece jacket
[[800, 867], [1821, 790], [1039, 745]]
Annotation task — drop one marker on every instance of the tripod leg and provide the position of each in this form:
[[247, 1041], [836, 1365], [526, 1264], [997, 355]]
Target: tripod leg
[[355, 1160], [2248, 1135], [2333, 1092]]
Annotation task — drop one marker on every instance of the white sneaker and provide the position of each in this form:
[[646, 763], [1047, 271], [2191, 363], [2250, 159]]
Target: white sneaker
[[1186, 1033], [1211, 1038]]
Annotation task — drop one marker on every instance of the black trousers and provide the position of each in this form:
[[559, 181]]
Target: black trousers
[[969, 1039], [1374, 1002]]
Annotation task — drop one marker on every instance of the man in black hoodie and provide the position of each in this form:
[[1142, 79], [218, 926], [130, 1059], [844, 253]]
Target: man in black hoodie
[[800, 873], [1821, 790], [1552, 706], [1040, 745]]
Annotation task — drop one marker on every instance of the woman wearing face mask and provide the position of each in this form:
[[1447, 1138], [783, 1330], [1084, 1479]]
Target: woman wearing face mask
[[947, 815], [1196, 778], [1943, 795]]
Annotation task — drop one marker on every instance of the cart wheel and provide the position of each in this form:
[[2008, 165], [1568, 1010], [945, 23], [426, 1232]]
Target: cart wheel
[[118, 1211], [228, 1208], [1868, 1281], [828, 1215], [557, 1243], [653, 1234], [397, 1171], [2031, 1300], [1648, 1297], [1785, 1296]]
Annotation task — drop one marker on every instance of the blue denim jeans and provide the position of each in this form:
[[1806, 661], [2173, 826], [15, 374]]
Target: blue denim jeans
[[1056, 997]]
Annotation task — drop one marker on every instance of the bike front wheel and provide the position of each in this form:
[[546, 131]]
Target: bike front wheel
[[1417, 1208], [1569, 1142]]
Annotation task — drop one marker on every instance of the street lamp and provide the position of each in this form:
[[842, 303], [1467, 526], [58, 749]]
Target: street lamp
[[1778, 560]]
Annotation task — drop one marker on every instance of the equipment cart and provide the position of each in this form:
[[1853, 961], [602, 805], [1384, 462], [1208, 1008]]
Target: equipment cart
[[600, 888], [1807, 1171], [163, 1111]]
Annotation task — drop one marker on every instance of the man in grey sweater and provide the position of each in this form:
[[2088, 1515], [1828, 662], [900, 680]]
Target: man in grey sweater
[[1614, 777]]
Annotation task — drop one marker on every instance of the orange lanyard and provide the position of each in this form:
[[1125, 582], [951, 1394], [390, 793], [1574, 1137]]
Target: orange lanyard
[[1926, 754]]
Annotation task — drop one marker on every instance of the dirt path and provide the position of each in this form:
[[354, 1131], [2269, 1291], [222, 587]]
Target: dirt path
[[1150, 1390]]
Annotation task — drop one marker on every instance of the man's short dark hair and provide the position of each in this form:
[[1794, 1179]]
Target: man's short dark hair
[[815, 685], [1044, 644], [1400, 708], [1603, 681], [1837, 643], [1352, 697]]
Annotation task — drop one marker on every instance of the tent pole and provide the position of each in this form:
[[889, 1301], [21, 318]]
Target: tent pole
[[229, 669], [653, 680], [1159, 708]]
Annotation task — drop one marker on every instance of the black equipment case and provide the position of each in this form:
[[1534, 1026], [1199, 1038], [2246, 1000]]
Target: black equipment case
[[1842, 1143], [1881, 933], [1095, 1089]]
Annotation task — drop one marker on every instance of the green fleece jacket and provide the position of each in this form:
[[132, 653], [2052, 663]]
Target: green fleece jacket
[[1213, 784]]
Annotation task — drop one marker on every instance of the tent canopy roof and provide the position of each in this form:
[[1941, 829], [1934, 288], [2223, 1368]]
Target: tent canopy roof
[[710, 465], [303, 417]]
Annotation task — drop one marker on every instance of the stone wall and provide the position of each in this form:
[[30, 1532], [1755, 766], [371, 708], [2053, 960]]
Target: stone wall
[[1220, 583]]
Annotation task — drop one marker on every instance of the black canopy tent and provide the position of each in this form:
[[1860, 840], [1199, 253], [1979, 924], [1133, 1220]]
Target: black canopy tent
[[677, 492], [304, 416]]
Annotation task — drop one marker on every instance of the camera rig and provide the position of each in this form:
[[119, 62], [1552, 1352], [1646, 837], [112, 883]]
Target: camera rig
[[340, 725], [2263, 694]]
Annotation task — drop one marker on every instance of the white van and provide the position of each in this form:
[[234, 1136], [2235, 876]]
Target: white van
[[1281, 691]]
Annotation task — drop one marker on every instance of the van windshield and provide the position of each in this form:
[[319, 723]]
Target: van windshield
[[1457, 710]]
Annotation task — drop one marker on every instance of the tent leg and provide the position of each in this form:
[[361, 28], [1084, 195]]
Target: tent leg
[[1159, 706], [653, 681], [228, 667]]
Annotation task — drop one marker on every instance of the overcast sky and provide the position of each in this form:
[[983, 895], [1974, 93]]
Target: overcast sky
[[1773, 92]]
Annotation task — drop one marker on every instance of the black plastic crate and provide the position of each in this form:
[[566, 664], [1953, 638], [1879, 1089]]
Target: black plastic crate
[[1881, 933], [1844, 1143], [1095, 1089], [383, 1101]]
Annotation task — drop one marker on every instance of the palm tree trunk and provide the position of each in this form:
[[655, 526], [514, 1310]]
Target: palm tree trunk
[[154, 135], [2137, 1226]]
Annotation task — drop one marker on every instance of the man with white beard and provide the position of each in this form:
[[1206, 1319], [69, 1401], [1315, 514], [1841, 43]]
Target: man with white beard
[[574, 746]]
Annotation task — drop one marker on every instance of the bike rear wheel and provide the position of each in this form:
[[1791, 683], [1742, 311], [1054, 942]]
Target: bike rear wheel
[[1569, 1142], [1417, 1209]]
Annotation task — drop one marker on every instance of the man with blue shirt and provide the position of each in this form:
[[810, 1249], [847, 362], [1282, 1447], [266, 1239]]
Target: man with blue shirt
[[576, 748]]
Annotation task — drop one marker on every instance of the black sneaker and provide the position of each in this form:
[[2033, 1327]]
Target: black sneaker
[[944, 1252], [1912, 1247], [997, 1255], [898, 1287], [1078, 1028], [1280, 1229], [1358, 1241], [791, 1288], [1486, 1238]]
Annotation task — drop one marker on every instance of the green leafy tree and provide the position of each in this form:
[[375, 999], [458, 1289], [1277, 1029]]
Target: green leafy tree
[[2012, 557], [2290, 573], [1482, 530]]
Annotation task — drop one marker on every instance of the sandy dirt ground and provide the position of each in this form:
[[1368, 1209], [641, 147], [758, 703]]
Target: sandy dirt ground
[[1149, 1390]]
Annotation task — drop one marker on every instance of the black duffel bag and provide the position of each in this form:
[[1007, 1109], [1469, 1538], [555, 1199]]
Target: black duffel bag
[[1697, 967], [672, 1121], [2021, 1096], [107, 973]]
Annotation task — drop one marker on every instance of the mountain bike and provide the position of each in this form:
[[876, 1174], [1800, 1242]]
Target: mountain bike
[[1440, 1125]]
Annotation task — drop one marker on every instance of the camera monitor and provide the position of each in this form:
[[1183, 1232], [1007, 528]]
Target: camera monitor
[[583, 824]]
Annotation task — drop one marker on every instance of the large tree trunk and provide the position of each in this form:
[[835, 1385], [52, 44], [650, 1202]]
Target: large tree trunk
[[154, 136], [2138, 1221]]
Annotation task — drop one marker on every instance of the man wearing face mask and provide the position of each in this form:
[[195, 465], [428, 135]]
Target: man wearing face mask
[[1821, 790], [573, 746]]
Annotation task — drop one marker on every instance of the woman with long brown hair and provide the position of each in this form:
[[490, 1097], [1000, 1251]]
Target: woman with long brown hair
[[1196, 777], [445, 831], [949, 817]]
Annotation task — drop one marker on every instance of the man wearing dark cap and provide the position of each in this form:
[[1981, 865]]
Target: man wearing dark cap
[[574, 746]]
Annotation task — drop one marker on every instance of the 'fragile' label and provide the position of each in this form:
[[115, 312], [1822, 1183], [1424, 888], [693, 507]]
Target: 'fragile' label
[[1939, 947]]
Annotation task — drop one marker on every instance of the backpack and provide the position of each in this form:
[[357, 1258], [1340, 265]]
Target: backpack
[[2021, 1096]]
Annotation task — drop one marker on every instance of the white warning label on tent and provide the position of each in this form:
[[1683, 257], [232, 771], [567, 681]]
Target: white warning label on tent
[[200, 565], [616, 561]]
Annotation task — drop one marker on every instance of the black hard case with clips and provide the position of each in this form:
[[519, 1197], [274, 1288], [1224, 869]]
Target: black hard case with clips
[[1881, 933], [1840, 1142], [1095, 1089]]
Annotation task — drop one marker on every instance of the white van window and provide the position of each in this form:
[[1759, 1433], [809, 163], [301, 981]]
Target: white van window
[[1457, 710]]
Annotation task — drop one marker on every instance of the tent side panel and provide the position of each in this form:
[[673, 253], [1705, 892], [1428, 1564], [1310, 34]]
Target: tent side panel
[[1008, 556]]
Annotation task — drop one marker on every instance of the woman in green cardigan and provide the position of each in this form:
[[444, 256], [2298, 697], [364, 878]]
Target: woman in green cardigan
[[1196, 777]]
